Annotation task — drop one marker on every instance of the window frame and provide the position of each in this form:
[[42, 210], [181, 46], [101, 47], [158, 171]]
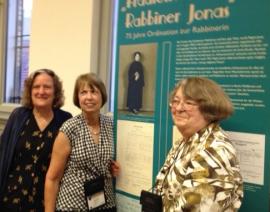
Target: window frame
[[103, 50], [5, 108], [17, 49]]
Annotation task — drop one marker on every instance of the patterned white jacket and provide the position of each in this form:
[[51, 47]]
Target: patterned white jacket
[[201, 174]]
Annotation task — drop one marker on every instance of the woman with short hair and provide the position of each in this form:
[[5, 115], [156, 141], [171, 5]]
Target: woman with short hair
[[82, 158], [201, 172]]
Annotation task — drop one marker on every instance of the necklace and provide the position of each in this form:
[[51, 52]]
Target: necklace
[[93, 131], [43, 121]]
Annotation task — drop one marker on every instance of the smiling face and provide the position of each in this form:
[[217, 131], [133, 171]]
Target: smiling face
[[42, 92], [186, 114], [90, 99]]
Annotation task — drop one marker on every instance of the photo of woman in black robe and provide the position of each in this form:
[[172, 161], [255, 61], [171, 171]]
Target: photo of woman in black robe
[[135, 84]]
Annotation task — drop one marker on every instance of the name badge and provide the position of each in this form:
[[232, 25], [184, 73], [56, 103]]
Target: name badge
[[94, 193], [96, 200]]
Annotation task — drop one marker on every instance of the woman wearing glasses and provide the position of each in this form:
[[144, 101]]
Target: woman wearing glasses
[[201, 172]]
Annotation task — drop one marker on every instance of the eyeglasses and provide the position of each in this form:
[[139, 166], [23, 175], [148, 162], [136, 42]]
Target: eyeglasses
[[185, 104]]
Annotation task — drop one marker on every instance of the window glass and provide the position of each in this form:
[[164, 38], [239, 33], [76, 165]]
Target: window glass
[[17, 48]]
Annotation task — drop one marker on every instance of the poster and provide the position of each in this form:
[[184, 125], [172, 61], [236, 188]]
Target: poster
[[226, 41], [135, 151]]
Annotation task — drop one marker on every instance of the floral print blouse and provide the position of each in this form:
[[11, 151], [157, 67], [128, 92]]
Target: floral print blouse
[[25, 183], [201, 174]]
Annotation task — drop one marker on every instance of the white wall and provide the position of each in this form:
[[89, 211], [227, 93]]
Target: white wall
[[61, 40]]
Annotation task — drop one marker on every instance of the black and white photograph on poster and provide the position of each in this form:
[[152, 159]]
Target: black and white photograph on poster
[[135, 84], [136, 79]]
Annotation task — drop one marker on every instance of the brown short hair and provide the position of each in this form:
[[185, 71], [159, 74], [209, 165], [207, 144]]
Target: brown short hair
[[58, 89], [214, 103], [92, 81]]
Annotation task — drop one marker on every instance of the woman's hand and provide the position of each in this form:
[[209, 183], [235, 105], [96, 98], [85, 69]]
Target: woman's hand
[[115, 168]]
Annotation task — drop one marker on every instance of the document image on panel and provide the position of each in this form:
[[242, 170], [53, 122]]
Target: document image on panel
[[250, 149], [135, 154]]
